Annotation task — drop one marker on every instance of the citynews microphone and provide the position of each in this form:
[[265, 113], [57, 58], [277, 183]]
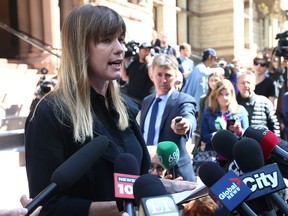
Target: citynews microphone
[[168, 155], [152, 198], [226, 189], [126, 171], [71, 170], [223, 143], [268, 142], [262, 180]]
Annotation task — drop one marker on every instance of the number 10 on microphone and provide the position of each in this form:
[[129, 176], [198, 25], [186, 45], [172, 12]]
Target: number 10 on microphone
[[123, 185]]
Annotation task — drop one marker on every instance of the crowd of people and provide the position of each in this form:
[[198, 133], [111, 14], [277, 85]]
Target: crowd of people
[[137, 101]]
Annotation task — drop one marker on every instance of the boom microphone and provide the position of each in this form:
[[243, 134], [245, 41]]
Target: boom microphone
[[126, 172], [268, 142], [71, 170], [168, 155], [263, 180], [152, 198], [227, 190]]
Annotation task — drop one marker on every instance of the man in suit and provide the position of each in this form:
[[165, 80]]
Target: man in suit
[[173, 104]]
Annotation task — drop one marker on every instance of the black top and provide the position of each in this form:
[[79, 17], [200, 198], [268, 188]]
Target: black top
[[49, 143], [265, 88], [140, 84]]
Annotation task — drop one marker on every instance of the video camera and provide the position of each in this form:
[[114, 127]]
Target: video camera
[[132, 49], [282, 48]]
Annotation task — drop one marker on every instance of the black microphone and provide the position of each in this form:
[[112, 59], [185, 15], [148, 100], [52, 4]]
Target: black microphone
[[126, 171], [152, 198], [268, 142], [223, 143], [212, 175], [263, 180], [71, 170]]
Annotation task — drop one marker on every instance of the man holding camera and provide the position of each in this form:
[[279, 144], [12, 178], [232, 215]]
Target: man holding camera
[[139, 82]]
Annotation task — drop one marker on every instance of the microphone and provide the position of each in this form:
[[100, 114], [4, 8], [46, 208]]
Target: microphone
[[168, 155], [152, 198], [126, 171], [262, 180], [268, 142], [226, 189], [71, 170], [223, 143]]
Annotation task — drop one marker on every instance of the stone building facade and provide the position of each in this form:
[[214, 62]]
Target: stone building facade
[[232, 27]]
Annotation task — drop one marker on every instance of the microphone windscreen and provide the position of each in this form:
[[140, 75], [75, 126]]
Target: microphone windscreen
[[267, 139], [210, 172], [168, 154], [248, 155], [223, 142], [71, 170], [148, 185], [126, 163]]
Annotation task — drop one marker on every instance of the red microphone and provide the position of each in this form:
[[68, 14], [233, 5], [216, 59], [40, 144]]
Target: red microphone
[[268, 142]]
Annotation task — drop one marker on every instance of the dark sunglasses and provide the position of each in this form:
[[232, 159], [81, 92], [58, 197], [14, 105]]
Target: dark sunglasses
[[262, 64]]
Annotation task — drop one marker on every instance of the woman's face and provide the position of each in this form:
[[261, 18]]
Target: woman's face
[[224, 98], [105, 58], [213, 80]]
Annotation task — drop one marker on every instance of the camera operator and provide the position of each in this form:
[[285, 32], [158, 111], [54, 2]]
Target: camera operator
[[139, 82], [281, 52], [43, 87]]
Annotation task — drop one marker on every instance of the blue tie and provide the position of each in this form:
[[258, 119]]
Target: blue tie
[[151, 131]]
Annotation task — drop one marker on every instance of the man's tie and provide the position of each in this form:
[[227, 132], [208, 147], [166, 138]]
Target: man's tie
[[151, 131]]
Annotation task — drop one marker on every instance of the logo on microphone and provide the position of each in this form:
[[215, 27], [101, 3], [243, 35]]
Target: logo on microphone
[[263, 181], [123, 185], [229, 191]]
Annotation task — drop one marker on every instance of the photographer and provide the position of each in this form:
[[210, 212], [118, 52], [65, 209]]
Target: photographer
[[139, 82], [43, 87]]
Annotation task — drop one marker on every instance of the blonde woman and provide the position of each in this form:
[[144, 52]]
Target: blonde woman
[[86, 103], [223, 112]]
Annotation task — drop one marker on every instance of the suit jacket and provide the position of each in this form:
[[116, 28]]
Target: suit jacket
[[178, 104]]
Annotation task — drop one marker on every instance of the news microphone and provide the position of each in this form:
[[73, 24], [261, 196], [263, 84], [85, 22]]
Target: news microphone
[[223, 142], [71, 170], [152, 198], [168, 155], [226, 189], [263, 180], [126, 171], [268, 142]]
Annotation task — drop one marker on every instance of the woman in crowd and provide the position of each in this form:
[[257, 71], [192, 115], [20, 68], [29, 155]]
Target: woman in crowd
[[223, 112], [86, 103]]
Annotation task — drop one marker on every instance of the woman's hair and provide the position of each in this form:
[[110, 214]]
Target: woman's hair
[[213, 104], [217, 73], [84, 24]]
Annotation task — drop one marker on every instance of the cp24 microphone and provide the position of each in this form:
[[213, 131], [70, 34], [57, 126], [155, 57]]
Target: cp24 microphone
[[71, 170], [262, 180], [268, 142], [126, 171], [152, 198], [168, 155], [226, 189], [223, 143]]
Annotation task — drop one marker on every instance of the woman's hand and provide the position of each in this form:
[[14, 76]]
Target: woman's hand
[[236, 128]]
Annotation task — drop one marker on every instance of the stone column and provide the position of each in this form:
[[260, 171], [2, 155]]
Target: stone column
[[36, 22], [24, 26]]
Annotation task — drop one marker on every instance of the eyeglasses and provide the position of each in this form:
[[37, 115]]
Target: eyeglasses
[[262, 64]]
